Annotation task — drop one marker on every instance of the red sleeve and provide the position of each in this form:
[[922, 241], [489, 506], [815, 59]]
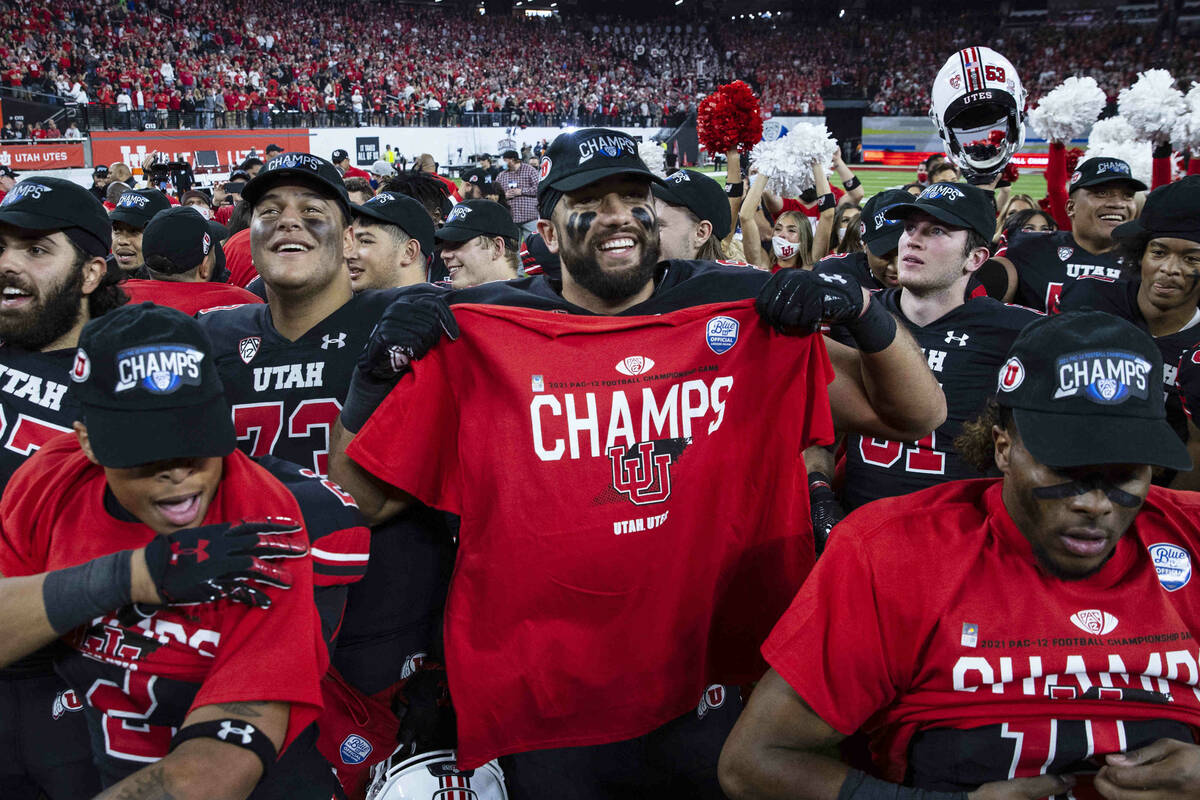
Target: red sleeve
[[1056, 184], [23, 501], [830, 644], [411, 441]]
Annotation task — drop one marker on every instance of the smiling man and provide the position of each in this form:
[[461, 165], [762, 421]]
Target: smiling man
[[393, 242], [1008, 637], [162, 593], [666, 351], [479, 243], [1037, 268]]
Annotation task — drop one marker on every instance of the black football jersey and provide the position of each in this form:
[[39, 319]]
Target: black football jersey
[[1047, 263], [965, 350], [35, 402], [1119, 298], [286, 395]]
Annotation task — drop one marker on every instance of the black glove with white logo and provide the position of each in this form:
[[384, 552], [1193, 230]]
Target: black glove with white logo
[[825, 509], [199, 565], [797, 301], [406, 332]]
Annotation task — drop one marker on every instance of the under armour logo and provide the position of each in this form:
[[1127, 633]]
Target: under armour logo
[[327, 341], [198, 551], [227, 730], [833, 277], [951, 338]]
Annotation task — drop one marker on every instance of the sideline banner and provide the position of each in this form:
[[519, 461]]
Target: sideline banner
[[22, 157], [230, 146]]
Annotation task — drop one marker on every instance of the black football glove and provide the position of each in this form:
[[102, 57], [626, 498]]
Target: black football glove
[[826, 511], [424, 710], [797, 301], [408, 330], [199, 565]]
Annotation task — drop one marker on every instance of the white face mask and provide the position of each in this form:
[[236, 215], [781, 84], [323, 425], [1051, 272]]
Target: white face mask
[[783, 248]]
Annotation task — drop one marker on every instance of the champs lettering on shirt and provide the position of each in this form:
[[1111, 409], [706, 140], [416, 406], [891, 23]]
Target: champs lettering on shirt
[[1049, 263], [656, 521], [965, 350], [930, 624]]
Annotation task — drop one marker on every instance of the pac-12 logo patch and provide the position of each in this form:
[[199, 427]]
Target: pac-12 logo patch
[[1094, 621], [354, 749], [714, 697], [1173, 565], [248, 348], [1064, 253], [635, 365], [721, 333]]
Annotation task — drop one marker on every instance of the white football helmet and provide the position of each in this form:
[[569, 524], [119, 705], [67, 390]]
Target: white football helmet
[[434, 776], [978, 106]]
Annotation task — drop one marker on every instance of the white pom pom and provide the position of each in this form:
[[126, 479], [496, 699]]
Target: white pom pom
[[1067, 111], [1113, 129], [1186, 133], [654, 157], [1115, 137], [1152, 105], [787, 161]]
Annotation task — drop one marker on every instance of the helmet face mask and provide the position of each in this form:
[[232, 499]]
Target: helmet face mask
[[979, 110]]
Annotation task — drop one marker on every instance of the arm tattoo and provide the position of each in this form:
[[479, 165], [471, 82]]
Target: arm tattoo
[[149, 783], [244, 709]]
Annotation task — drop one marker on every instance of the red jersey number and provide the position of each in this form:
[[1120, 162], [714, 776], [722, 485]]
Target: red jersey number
[[1053, 295], [127, 734], [923, 456], [28, 434], [259, 424]]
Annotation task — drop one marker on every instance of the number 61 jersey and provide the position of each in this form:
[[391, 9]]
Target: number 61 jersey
[[285, 395]]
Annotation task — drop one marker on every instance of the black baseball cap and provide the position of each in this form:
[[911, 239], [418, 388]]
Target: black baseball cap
[[101, 171], [7, 171], [1103, 169], [1170, 212], [536, 258], [699, 194], [138, 206], [475, 176], [304, 168], [272, 148], [148, 389], [406, 213], [1085, 387], [880, 234], [472, 218], [339, 155], [181, 236], [54, 204], [578, 158], [958, 204]]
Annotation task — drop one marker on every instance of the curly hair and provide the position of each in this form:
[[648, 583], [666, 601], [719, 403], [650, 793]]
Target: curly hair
[[975, 443]]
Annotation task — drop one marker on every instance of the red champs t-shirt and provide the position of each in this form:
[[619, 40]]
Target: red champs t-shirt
[[634, 509], [141, 669], [929, 624]]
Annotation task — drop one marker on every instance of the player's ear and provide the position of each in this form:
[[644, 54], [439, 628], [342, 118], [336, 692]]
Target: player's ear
[[204, 271], [347, 240], [702, 233], [412, 252], [85, 444], [549, 236], [1002, 442], [92, 273], [1070, 206]]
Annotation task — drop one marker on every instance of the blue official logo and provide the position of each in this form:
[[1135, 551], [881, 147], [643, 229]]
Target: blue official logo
[[1173, 565], [721, 334], [355, 749]]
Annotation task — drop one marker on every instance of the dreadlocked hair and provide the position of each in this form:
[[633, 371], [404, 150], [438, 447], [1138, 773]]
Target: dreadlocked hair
[[426, 189]]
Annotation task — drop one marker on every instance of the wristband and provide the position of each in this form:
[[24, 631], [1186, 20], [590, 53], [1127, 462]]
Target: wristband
[[1161, 150], [826, 202], [818, 480], [873, 331], [366, 393], [74, 595], [236, 732], [734, 189], [861, 786], [851, 184]]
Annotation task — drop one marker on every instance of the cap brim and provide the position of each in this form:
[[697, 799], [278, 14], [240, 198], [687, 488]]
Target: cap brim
[[33, 222], [664, 193], [885, 242], [128, 438], [581, 179], [1129, 231], [902, 210], [357, 210], [448, 233], [259, 186], [136, 220], [1137, 185], [1074, 440]]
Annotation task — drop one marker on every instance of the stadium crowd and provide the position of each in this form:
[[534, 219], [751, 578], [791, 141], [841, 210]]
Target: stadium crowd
[[177, 64]]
